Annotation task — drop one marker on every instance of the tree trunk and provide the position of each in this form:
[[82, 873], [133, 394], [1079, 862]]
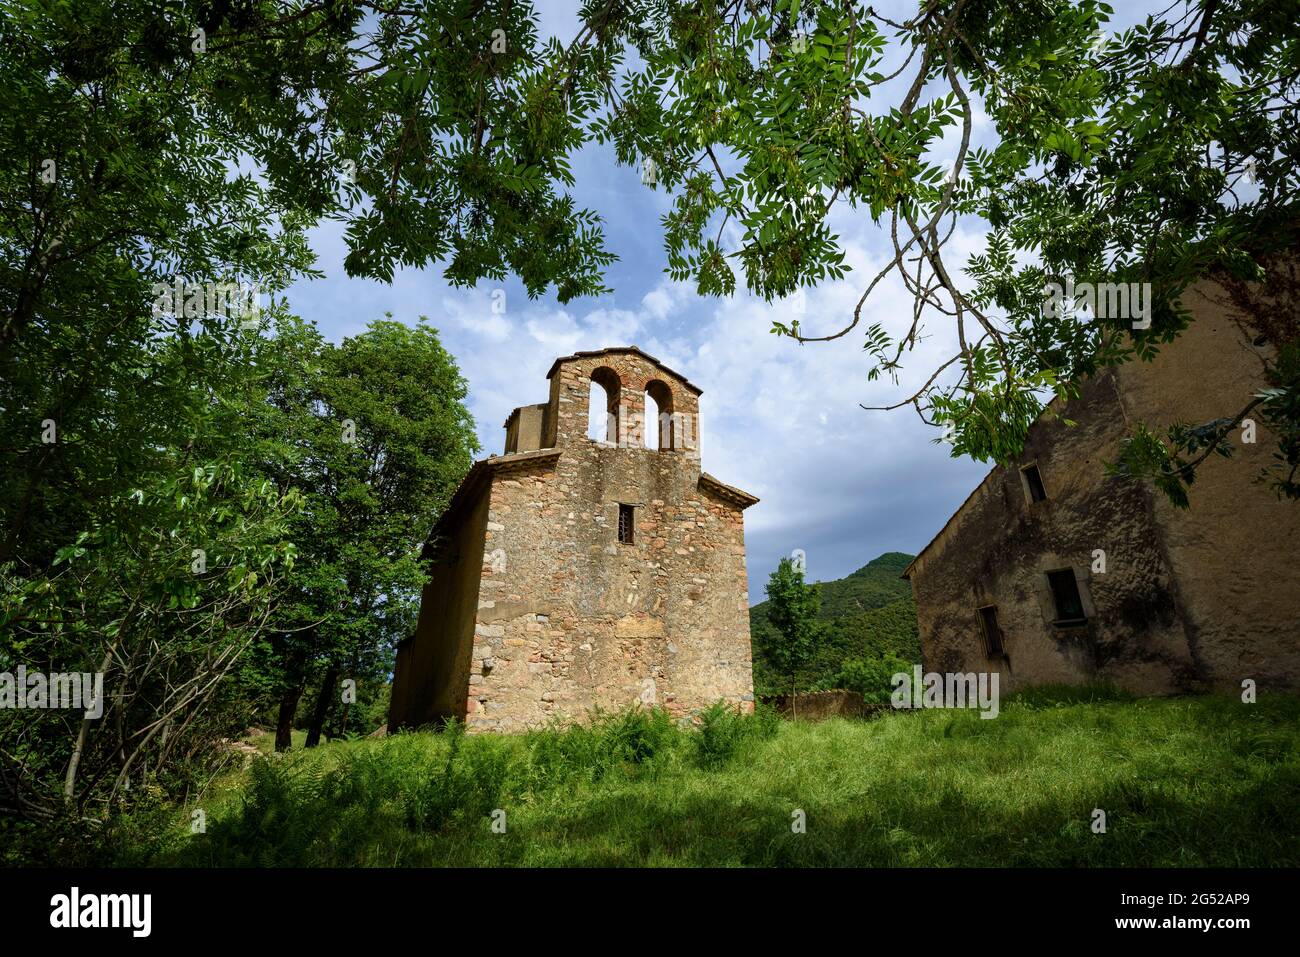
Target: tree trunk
[[70, 779], [323, 701], [284, 725], [343, 721]]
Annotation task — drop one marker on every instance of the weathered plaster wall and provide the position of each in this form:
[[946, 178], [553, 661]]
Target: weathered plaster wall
[[999, 547], [1235, 551], [1189, 599]]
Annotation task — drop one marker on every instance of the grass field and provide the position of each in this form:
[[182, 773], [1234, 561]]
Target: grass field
[[1183, 781]]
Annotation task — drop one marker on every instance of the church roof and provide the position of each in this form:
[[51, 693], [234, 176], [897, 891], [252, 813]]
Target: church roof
[[623, 350], [727, 492]]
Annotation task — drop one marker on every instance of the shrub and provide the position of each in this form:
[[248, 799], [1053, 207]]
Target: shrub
[[872, 678], [470, 784], [635, 739], [723, 732], [632, 742], [720, 734]]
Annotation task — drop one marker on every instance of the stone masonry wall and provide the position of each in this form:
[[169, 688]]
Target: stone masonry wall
[[572, 619], [567, 417]]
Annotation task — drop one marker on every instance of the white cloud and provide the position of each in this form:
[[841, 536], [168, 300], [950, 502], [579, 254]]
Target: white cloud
[[778, 419]]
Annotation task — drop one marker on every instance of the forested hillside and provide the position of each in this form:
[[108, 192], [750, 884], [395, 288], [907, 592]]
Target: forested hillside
[[869, 614]]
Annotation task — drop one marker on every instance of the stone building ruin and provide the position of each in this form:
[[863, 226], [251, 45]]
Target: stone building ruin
[[1052, 571], [572, 573]]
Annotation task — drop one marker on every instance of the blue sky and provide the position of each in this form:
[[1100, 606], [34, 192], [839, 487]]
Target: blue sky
[[779, 420]]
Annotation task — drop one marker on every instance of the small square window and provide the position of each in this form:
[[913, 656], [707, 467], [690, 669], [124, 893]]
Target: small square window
[[626, 524], [1034, 483], [1066, 598], [992, 633]]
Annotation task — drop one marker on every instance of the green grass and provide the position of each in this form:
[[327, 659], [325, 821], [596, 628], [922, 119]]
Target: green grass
[[1184, 782]]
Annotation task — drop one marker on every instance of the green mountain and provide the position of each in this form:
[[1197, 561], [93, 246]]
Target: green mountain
[[869, 614]]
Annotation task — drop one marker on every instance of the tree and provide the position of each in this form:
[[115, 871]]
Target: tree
[[125, 120], [383, 439], [1160, 155], [186, 146], [161, 591], [792, 610]]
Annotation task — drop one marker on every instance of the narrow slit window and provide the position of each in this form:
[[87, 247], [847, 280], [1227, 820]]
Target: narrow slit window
[[1034, 483], [626, 525], [1065, 596], [992, 633]]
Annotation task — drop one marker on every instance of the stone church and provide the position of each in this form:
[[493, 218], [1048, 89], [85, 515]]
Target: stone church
[[573, 573]]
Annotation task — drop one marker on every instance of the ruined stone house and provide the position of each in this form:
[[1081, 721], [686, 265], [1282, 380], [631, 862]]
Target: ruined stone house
[[1053, 572], [571, 573]]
